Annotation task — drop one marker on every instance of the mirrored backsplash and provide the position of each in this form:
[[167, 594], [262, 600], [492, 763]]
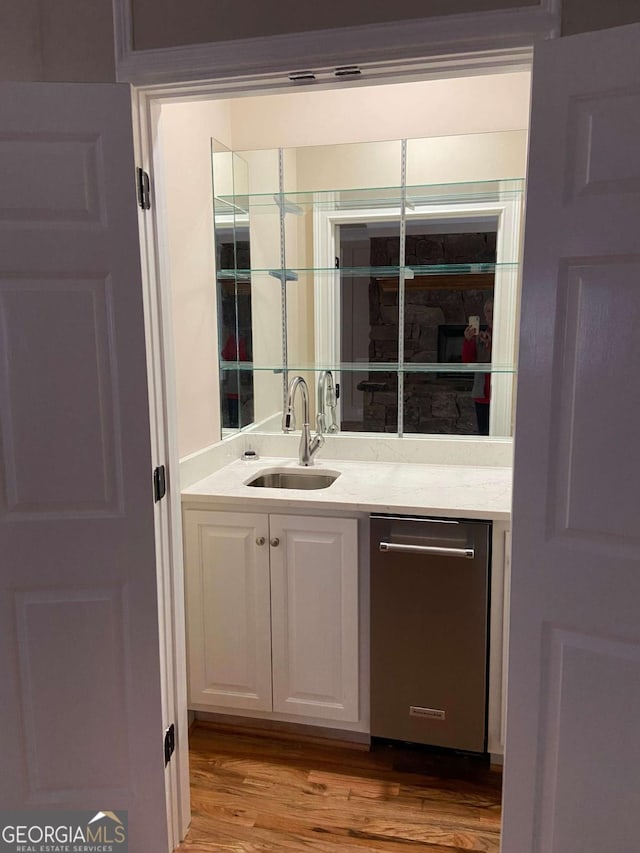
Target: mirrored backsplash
[[356, 259]]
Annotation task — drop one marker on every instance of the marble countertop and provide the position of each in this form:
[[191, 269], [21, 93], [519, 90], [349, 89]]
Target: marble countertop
[[388, 487]]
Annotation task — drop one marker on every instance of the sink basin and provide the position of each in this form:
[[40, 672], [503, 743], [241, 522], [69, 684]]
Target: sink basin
[[291, 479]]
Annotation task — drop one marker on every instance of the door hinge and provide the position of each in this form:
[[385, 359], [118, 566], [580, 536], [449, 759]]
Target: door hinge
[[144, 192], [159, 483], [169, 743]]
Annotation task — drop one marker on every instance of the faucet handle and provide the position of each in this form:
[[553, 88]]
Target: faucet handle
[[316, 443]]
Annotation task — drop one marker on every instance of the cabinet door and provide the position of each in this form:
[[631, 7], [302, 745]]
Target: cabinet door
[[228, 609], [314, 601]]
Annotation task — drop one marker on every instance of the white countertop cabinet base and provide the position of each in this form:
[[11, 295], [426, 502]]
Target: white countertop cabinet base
[[281, 632], [273, 600]]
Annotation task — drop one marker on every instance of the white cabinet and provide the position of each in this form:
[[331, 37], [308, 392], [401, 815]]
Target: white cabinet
[[228, 609], [314, 610], [272, 614]]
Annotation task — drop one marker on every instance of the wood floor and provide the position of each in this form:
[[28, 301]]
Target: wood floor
[[257, 794]]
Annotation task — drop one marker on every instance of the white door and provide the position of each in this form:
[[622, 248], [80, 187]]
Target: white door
[[229, 607], [314, 616], [573, 724], [79, 654]]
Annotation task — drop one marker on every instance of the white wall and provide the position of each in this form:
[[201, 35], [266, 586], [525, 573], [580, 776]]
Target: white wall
[[432, 108], [442, 159], [185, 133], [468, 157]]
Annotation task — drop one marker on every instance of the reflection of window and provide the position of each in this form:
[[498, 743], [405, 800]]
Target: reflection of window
[[235, 334], [436, 312], [495, 221]]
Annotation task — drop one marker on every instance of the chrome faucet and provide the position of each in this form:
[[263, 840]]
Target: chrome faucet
[[308, 446], [326, 397]]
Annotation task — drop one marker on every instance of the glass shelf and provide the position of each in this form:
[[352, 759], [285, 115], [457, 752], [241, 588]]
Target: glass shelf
[[300, 202], [372, 367], [410, 272], [474, 191]]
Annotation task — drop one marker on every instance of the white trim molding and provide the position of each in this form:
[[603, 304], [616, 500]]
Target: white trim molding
[[444, 45], [168, 513], [326, 286]]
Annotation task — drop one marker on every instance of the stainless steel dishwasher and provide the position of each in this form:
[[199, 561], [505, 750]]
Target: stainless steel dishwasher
[[429, 630]]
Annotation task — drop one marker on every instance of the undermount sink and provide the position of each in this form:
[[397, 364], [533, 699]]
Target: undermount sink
[[290, 479]]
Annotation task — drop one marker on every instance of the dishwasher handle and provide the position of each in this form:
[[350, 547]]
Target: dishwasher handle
[[465, 553]]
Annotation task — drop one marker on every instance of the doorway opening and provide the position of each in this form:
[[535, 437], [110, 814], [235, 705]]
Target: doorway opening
[[191, 270]]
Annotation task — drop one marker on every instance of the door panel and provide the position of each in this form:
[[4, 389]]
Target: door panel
[[573, 743], [594, 300], [79, 656], [100, 660], [600, 122], [592, 688], [53, 177], [48, 472]]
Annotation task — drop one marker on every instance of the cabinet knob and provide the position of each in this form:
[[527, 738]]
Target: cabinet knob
[[275, 542], [260, 540]]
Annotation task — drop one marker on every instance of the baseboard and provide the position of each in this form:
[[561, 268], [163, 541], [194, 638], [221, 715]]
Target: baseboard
[[282, 731], [191, 719]]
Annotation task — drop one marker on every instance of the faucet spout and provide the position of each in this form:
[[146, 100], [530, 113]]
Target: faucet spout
[[308, 446]]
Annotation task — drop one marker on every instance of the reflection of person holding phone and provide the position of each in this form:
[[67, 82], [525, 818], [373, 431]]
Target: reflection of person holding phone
[[476, 347]]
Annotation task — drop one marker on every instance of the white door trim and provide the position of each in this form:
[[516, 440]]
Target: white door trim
[[422, 47], [164, 448]]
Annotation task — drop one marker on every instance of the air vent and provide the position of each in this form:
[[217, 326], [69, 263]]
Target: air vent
[[347, 71], [297, 76]]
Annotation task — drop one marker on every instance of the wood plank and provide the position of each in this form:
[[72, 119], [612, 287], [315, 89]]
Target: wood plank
[[253, 793]]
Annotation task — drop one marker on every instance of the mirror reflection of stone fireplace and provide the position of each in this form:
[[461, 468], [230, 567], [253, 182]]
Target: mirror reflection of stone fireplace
[[437, 308]]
